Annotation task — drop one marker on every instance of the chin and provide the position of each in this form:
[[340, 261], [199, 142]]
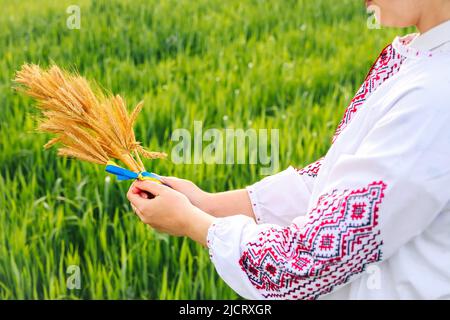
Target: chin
[[395, 24]]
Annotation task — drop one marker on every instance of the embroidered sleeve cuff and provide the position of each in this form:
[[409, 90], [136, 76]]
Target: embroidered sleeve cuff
[[224, 239], [280, 198]]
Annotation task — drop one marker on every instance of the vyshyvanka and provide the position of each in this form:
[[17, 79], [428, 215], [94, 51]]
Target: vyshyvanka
[[371, 219]]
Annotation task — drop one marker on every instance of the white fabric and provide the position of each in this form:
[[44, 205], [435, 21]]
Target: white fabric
[[280, 207], [435, 39], [375, 221]]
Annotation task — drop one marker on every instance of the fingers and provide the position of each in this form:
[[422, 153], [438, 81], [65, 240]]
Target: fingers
[[139, 199], [138, 213], [177, 183], [135, 190], [152, 187], [141, 191], [141, 206], [134, 197], [170, 181]]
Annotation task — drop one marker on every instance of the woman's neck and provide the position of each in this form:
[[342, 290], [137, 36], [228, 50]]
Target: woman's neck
[[433, 17]]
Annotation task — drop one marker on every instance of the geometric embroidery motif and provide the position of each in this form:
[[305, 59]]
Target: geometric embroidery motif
[[387, 64], [312, 169], [340, 238]]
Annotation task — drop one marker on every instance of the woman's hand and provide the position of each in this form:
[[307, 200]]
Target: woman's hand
[[196, 196], [222, 204], [169, 211]]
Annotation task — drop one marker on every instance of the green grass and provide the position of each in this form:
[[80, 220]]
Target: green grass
[[189, 60]]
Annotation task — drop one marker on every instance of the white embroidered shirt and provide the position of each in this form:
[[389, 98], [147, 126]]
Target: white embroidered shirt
[[371, 219]]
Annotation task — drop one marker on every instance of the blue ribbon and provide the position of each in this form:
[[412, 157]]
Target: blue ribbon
[[124, 174]]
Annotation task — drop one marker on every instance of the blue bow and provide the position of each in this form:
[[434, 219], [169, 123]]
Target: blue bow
[[124, 174]]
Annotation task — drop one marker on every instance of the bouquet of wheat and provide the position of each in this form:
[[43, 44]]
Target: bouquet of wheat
[[88, 125]]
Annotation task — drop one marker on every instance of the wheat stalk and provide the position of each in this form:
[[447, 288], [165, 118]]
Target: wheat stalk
[[90, 126]]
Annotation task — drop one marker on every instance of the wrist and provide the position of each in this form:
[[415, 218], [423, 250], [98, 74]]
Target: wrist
[[209, 203], [198, 223]]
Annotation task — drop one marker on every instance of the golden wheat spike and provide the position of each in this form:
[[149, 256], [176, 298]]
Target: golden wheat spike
[[90, 125], [136, 112], [52, 142], [150, 154], [69, 152]]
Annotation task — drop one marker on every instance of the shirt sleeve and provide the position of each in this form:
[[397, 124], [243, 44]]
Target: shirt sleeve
[[281, 197], [373, 202]]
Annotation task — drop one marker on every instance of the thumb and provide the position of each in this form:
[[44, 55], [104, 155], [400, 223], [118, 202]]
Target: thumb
[[150, 186], [171, 181]]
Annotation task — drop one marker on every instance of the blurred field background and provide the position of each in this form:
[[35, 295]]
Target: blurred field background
[[291, 65]]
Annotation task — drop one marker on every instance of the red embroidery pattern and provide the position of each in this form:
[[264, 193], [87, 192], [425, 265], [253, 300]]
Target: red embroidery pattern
[[387, 64], [312, 169], [341, 237]]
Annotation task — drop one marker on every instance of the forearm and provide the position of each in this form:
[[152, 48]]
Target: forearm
[[230, 203], [223, 204], [198, 225]]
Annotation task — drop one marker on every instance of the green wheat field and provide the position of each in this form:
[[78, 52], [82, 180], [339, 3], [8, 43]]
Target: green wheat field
[[291, 65]]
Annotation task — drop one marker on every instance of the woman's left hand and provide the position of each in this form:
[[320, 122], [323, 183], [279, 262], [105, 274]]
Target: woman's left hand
[[169, 211]]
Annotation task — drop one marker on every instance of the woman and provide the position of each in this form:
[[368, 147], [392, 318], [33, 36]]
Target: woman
[[370, 220]]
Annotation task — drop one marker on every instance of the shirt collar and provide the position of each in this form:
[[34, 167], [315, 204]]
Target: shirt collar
[[433, 39]]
